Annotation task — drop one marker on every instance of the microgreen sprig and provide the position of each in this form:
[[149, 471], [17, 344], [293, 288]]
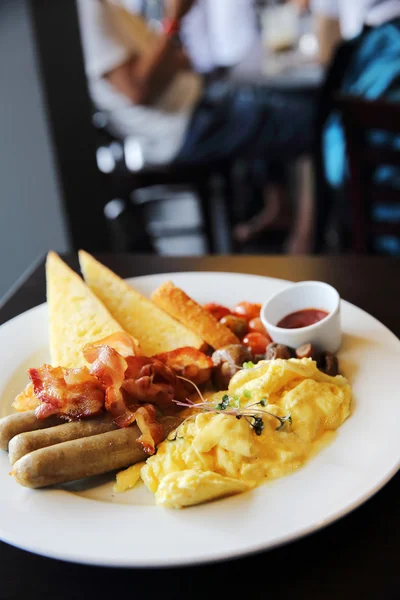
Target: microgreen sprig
[[224, 403], [248, 365], [231, 406]]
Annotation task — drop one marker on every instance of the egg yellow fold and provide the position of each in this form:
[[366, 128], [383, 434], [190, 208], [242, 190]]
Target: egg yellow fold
[[216, 454]]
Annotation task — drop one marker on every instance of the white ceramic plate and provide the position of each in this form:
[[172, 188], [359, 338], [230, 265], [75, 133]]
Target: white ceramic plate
[[92, 525]]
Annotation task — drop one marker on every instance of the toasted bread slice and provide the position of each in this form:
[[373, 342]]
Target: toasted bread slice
[[76, 316], [178, 304], [155, 330]]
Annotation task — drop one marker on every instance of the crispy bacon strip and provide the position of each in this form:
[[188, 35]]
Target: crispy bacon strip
[[126, 384], [189, 363], [153, 383], [121, 342], [131, 381], [135, 366], [26, 400], [72, 393], [152, 431], [109, 367]]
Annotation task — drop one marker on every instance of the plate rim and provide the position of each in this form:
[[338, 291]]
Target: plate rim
[[219, 556], [236, 273]]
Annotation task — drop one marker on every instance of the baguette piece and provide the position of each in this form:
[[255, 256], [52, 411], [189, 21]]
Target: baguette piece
[[76, 315], [155, 330], [179, 305]]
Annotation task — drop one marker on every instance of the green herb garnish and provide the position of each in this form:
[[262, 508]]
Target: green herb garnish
[[258, 425], [224, 403], [235, 402], [283, 420], [231, 406], [176, 437], [248, 365]]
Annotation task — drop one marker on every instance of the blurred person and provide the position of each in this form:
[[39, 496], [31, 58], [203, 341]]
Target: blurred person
[[352, 15], [152, 95], [148, 95], [366, 64]]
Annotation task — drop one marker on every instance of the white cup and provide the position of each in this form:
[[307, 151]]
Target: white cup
[[325, 335]]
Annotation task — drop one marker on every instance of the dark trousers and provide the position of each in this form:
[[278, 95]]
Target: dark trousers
[[248, 121]]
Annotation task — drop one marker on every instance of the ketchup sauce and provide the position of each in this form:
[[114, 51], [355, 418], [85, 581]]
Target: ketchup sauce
[[302, 318]]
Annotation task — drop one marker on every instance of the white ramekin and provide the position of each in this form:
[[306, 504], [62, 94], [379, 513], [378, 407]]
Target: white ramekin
[[325, 335]]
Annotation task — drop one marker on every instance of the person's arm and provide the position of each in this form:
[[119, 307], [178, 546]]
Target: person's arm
[[144, 78], [329, 36], [327, 27], [152, 72], [302, 5], [177, 9], [326, 24]]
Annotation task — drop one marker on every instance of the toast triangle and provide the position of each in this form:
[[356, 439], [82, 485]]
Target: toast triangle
[[155, 330], [76, 316]]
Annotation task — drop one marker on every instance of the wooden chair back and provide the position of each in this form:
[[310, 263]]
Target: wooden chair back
[[360, 117]]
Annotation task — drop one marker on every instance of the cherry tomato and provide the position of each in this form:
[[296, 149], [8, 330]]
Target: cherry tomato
[[256, 325], [217, 310], [256, 342], [247, 311], [236, 324]]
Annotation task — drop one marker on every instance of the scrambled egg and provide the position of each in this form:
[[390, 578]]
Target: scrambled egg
[[127, 479], [217, 455]]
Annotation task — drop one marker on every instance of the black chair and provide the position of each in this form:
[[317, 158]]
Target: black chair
[[55, 28], [85, 191], [211, 184], [329, 204], [360, 117]]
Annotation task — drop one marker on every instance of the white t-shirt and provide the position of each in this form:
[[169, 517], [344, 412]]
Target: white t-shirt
[[157, 131], [354, 14], [218, 33]]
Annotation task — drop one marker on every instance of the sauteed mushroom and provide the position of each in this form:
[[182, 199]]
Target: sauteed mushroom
[[227, 361]]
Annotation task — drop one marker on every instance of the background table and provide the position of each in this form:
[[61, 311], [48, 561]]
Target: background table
[[357, 557], [287, 72]]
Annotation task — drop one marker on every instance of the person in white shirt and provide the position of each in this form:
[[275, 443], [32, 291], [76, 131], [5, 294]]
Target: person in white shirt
[[354, 14], [154, 97], [150, 97]]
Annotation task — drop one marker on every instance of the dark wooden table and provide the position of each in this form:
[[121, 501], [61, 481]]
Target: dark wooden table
[[355, 558]]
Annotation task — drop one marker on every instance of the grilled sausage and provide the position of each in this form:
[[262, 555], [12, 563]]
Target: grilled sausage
[[76, 459], [29, 441], [20, 423]]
